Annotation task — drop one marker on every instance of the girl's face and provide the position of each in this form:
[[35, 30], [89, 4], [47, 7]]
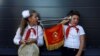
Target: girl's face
[[33, 19], [74, 21]]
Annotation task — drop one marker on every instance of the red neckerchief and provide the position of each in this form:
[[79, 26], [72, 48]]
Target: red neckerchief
[[68, 30], [28, 33]]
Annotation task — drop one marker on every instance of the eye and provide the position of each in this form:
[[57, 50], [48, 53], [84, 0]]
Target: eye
[[35, 16], [74, 18]]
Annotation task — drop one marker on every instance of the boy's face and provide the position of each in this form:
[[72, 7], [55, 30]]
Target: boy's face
[[75, 19], [33, 19]]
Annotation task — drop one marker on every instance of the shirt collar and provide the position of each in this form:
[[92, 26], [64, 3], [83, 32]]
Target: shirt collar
[[71, 24], [31, 26]]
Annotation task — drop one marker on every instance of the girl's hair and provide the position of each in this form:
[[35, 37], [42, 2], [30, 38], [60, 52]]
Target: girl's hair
[[73, 12], [24, 21]]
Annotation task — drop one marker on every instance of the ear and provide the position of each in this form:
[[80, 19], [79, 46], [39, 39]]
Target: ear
[[28, 18]]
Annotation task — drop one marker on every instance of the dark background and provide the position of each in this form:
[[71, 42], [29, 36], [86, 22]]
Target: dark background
[[10, 16]]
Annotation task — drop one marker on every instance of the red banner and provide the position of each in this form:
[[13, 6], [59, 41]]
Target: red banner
[[54, 37]]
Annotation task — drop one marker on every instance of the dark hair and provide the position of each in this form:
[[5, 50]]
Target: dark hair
[[23, 23], [73, 12]]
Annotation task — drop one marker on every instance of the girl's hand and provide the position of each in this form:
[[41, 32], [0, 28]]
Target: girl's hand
[[30, 41], [66, 20], [78, 54], [22, 42]]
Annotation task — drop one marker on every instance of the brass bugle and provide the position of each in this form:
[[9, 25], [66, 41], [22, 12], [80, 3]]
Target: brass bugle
[[65, 18]]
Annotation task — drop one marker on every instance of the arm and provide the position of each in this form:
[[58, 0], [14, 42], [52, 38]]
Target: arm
[[66, 20], [82, 40], [40, 40], [17, 37], [82, 44]]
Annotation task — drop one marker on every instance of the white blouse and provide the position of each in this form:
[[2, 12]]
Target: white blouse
[[73, 39], [38, 36]]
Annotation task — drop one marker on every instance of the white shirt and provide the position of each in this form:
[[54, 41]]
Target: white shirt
[[38, 36], [73, 39]]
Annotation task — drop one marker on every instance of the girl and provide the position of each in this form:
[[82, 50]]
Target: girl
[[29, 35], [74, 36]]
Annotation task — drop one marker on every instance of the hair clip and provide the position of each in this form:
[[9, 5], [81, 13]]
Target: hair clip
[[25, 13]]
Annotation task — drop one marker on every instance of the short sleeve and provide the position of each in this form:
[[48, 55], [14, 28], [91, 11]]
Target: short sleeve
[[40, 41], [81, 31], [17, 37]]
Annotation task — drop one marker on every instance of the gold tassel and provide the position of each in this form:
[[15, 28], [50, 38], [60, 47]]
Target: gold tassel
[[54, 46]]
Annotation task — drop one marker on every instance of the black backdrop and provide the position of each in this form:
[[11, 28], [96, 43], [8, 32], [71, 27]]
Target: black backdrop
[[10, 16]]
